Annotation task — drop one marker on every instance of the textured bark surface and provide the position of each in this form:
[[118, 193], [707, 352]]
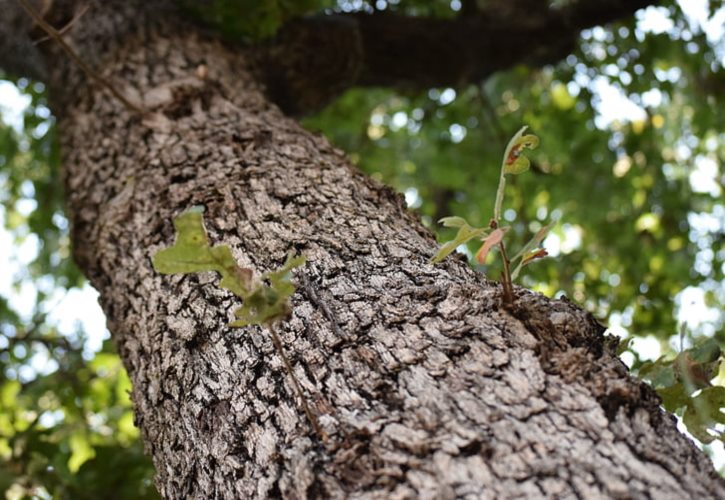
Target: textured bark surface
[[426, 387]]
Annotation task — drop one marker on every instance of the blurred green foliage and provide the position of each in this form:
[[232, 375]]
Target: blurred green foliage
[[251, 20], [685, 385], [640, 243], [66, 422]]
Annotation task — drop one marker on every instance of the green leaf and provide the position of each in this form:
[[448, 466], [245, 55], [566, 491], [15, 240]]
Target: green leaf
[[660, 373], [535, 240], [453, 222], [444, 251], [192, 254], [262, 306], [674, 397], [707, 352], [513, 161], [465, 234], [280, 279], [269, 302], [698, 365], [81, 451], [704, 412], [690, 373], [539, 253], [623, 345], [251, 19]]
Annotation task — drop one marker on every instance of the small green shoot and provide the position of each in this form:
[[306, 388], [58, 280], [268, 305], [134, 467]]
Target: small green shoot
[[513, 163], [265, 300], [191, 253]]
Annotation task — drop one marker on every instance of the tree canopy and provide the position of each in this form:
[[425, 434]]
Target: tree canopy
[[630, 119]]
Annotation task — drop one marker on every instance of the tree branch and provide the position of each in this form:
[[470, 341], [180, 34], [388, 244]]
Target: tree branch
[[389, 49], [18, 55], [92, 74]]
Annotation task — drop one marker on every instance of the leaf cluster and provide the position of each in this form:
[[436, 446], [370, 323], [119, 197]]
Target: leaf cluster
[[624, 187], [685, 385], [265, 300], [250, 20]]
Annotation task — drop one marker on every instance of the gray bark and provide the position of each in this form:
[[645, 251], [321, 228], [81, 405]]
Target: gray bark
[[425, 385]]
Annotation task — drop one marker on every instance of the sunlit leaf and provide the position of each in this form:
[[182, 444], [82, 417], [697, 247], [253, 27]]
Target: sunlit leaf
[[513, 161], [81, 451], [191, 254], [465, 234], [262, 303]]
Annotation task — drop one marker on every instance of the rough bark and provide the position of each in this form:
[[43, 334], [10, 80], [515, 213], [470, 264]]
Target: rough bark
[[426, 387]]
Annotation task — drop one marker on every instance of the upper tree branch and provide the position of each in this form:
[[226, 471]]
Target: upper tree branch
[[315, 58], [18, 55]]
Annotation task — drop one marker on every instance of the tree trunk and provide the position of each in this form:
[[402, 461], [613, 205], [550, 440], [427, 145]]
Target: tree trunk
[[426, 387]]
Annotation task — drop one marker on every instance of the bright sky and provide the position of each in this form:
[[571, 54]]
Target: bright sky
[[80, 307], [68, 310]]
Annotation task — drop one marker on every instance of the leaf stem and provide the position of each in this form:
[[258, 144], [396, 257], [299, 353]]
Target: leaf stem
[[508, 289], [298, 388], [499, 196]]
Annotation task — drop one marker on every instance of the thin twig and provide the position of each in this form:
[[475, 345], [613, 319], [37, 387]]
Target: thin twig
[[310, 416], [508, 289], [81, 63], [329, 315], [65, 28]]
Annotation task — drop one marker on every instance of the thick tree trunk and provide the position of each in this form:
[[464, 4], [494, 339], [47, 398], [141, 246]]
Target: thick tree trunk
[[425, 386]]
